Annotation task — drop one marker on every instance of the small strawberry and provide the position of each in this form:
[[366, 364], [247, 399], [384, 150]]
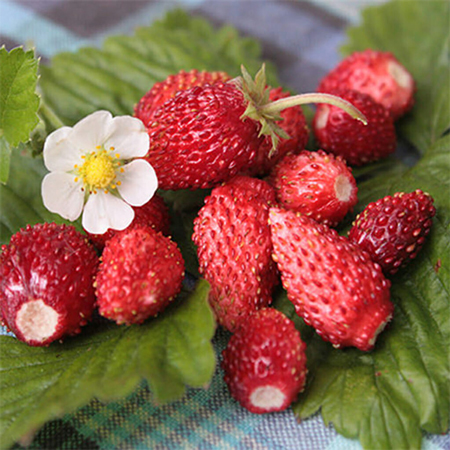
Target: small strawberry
[[375, 73], [393, 229], [154, 214], [358, 144], [265, 363], [293, 122], [316, 184], [208, 134], [47, 283], [140, 274], [168, 88], [333, 284], [234, 248]]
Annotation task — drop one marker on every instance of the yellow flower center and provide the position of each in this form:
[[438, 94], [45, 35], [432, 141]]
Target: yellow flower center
[[98, 170]]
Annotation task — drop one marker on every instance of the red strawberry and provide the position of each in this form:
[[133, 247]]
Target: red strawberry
[[333, 284], [47, 276], [140, 273], [293, 122], [358, 144], [375, 73], [198, 140], [316, 184], [154, 214], [393, 229], [207, 134], [234, 248], [265, 362], [168, 88]]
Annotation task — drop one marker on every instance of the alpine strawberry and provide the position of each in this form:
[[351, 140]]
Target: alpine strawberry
[[393, 229], [234, 248], [265, 363], [47, 283], [333, 284], [358, 144], [375, 73], [316, 184], [168, 88], [140, 274]]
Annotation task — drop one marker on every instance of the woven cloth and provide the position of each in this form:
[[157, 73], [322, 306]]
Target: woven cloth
[[203, 418]]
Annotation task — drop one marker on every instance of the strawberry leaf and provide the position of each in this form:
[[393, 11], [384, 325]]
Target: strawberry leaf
[[418, 34], [116, 76], [107, 362], [387, 398], [18, 102]]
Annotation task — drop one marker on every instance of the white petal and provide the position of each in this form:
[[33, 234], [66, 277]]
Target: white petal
[[138, 182], [92, 131], [60, 153], [62, 195], [129, 137], [103, 211]]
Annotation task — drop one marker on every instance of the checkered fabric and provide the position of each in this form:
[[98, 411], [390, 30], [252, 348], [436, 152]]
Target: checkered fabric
[[203, 418]]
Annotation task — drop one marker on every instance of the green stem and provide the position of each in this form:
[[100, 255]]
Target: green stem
[[303, 99], [49, 116]]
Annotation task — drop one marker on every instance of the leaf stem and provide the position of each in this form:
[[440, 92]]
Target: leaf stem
[[49, 116], [302, 99]]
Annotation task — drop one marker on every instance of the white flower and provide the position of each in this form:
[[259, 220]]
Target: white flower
[[93, 167]]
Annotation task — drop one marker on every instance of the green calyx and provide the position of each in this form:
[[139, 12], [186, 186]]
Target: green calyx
[[267, 113]]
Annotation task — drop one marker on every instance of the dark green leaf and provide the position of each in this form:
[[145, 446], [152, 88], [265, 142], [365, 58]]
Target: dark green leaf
[[107, 362], [116, 76]]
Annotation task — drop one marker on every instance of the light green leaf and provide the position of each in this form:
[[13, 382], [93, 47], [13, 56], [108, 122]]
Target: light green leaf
[[418, 34], [107, 362], [116, 76], [18, 101]]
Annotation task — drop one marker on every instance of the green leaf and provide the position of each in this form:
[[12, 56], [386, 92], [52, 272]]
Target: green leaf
[[418, 34], [116, 76], [20, 200], [18, 101], [107, 362], [388, 397]]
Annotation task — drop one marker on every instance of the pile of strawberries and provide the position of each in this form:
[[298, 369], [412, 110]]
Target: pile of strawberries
[[270, 216]]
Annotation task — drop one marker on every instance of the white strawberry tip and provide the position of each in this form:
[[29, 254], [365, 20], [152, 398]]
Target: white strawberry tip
[[343, 188], [36, 321], [400, 75], [267, 398]]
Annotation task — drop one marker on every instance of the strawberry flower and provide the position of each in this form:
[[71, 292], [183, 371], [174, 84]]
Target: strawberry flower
[[97, 166]]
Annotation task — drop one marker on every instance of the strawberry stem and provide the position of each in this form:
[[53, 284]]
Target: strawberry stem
[[303, 99], [267, 113]]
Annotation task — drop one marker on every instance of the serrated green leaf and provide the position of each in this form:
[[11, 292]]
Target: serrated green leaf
[[386, 397], [106, 361], [418, 34], [116, 76], [18, 101]]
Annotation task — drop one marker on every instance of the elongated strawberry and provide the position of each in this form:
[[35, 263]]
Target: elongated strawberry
[[393, 229], [358, 144], [316, 184], [265, 362], [207, 134], [293, 122], [140, 274], [154, 214], [47, 283], [169, 87], [332, 283], [234, 248], [375, 73]]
